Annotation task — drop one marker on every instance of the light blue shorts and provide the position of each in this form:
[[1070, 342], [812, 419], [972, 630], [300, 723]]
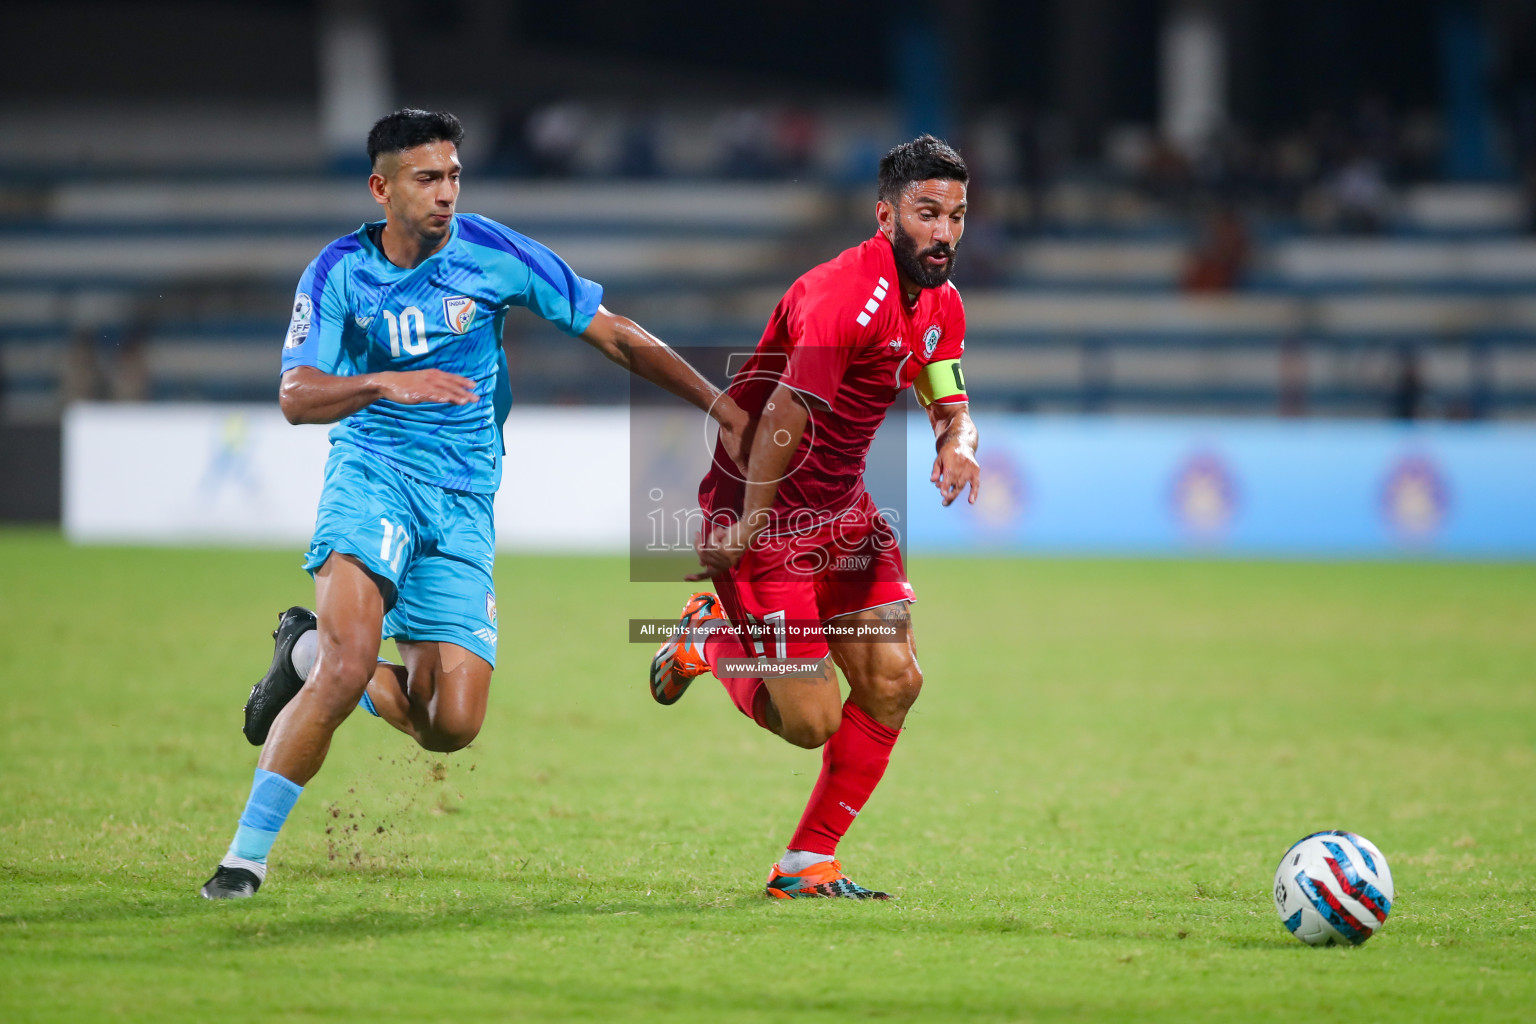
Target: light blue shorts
[[430, 549]]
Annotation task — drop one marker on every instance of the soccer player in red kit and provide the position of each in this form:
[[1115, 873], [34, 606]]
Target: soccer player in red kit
[[804, 563]]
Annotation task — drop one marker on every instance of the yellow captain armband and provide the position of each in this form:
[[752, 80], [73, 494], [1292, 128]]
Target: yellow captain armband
[[939, 382]]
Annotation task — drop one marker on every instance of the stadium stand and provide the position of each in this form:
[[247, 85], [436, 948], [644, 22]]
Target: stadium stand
[[123, 279]]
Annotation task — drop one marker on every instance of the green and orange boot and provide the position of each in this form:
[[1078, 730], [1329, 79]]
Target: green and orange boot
[[678, 661], [819, 881]]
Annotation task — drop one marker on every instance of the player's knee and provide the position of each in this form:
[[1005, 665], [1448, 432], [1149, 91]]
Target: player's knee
[[898, 690], [450, 733], [811, 729], [449, 741], [339, 679]]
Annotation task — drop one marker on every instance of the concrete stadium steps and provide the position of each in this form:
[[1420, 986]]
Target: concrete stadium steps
[[40, 378], [1289, 265], [52, 259], [998, 313], [669, 206], [196, 278], [995, 316], [1452, 381], [1075, 352], [1448, 373], [674, 252]]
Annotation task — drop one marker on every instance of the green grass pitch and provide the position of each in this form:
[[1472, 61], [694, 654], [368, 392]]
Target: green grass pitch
[[1081, 821]]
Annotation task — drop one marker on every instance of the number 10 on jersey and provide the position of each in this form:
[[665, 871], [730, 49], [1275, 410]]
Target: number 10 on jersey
[[408, 331]]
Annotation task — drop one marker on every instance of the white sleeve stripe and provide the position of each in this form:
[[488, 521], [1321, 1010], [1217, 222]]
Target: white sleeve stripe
[[863, 319]]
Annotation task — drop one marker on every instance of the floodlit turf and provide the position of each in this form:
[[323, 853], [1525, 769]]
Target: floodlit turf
[[1082, 820]]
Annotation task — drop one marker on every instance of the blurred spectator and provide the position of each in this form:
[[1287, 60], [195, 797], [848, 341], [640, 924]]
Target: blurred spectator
[[1336, 171], [102, 363], [128, 376], [1032, 156], [1295, 167], [1528, 180], [555, 134], [638, 148], [1294, 382], [861, 160], [1517, 85], [796, 134], [984, 252], [509, 154], [1407, 394], [1373, 130], [745, 144], [1167, 176], [82, 379], [1220, 258], [1360, 197]]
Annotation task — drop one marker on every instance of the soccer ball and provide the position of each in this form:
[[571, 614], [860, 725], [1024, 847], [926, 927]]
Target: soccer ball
[[1333, 887]]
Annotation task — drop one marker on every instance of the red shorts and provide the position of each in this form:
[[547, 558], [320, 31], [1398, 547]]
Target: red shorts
[[793, 583]]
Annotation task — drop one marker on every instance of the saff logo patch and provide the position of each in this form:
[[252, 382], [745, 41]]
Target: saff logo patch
[[298, 326], [931, 341], [459, 312]]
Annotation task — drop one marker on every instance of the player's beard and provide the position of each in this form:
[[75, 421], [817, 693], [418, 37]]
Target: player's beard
[[911, 262]]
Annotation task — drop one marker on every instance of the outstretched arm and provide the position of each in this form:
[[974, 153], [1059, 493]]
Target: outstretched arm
[[310, 395], [955, 465], [642, 353]]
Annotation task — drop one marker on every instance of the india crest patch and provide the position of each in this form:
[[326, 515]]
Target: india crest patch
[[459, 312]]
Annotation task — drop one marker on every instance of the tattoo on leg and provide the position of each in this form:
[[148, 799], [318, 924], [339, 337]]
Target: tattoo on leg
[[895, 614]]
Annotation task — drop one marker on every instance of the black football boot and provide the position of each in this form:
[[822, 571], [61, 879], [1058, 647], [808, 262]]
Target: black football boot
[[230, 884], [281, 683]]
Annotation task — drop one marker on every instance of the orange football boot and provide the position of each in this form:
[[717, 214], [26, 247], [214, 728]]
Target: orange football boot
[[819, 881], [681, 658]]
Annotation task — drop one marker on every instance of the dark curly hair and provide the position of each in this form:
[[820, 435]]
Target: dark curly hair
[[923, 158], [408, 127]]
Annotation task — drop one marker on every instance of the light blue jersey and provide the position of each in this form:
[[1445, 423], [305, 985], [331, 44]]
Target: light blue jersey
[[356, 312]]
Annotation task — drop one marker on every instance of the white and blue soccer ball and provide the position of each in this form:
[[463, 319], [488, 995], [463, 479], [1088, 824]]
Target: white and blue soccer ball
[[1333, 888]]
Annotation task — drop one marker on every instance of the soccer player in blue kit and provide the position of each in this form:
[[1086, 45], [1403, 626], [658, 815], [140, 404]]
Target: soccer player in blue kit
[[396, 333]]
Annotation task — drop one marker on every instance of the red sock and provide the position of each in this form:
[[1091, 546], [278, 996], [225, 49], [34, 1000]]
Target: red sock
[[852, 763], [747, 692]]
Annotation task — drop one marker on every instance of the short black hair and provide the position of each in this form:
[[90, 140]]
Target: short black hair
[[923, 158], [408, 127]]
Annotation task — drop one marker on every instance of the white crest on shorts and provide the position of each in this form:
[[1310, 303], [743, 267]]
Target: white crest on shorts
[[459, 311], [930, 341], [298, 327], [490, 607]]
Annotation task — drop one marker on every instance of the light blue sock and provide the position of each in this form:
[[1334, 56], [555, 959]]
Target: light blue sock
[[366, 702], [272, 797]]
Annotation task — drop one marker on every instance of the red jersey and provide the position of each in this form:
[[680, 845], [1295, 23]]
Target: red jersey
[[844, 337]]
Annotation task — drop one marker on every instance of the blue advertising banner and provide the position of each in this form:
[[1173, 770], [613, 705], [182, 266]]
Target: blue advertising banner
[[1122, 485]]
